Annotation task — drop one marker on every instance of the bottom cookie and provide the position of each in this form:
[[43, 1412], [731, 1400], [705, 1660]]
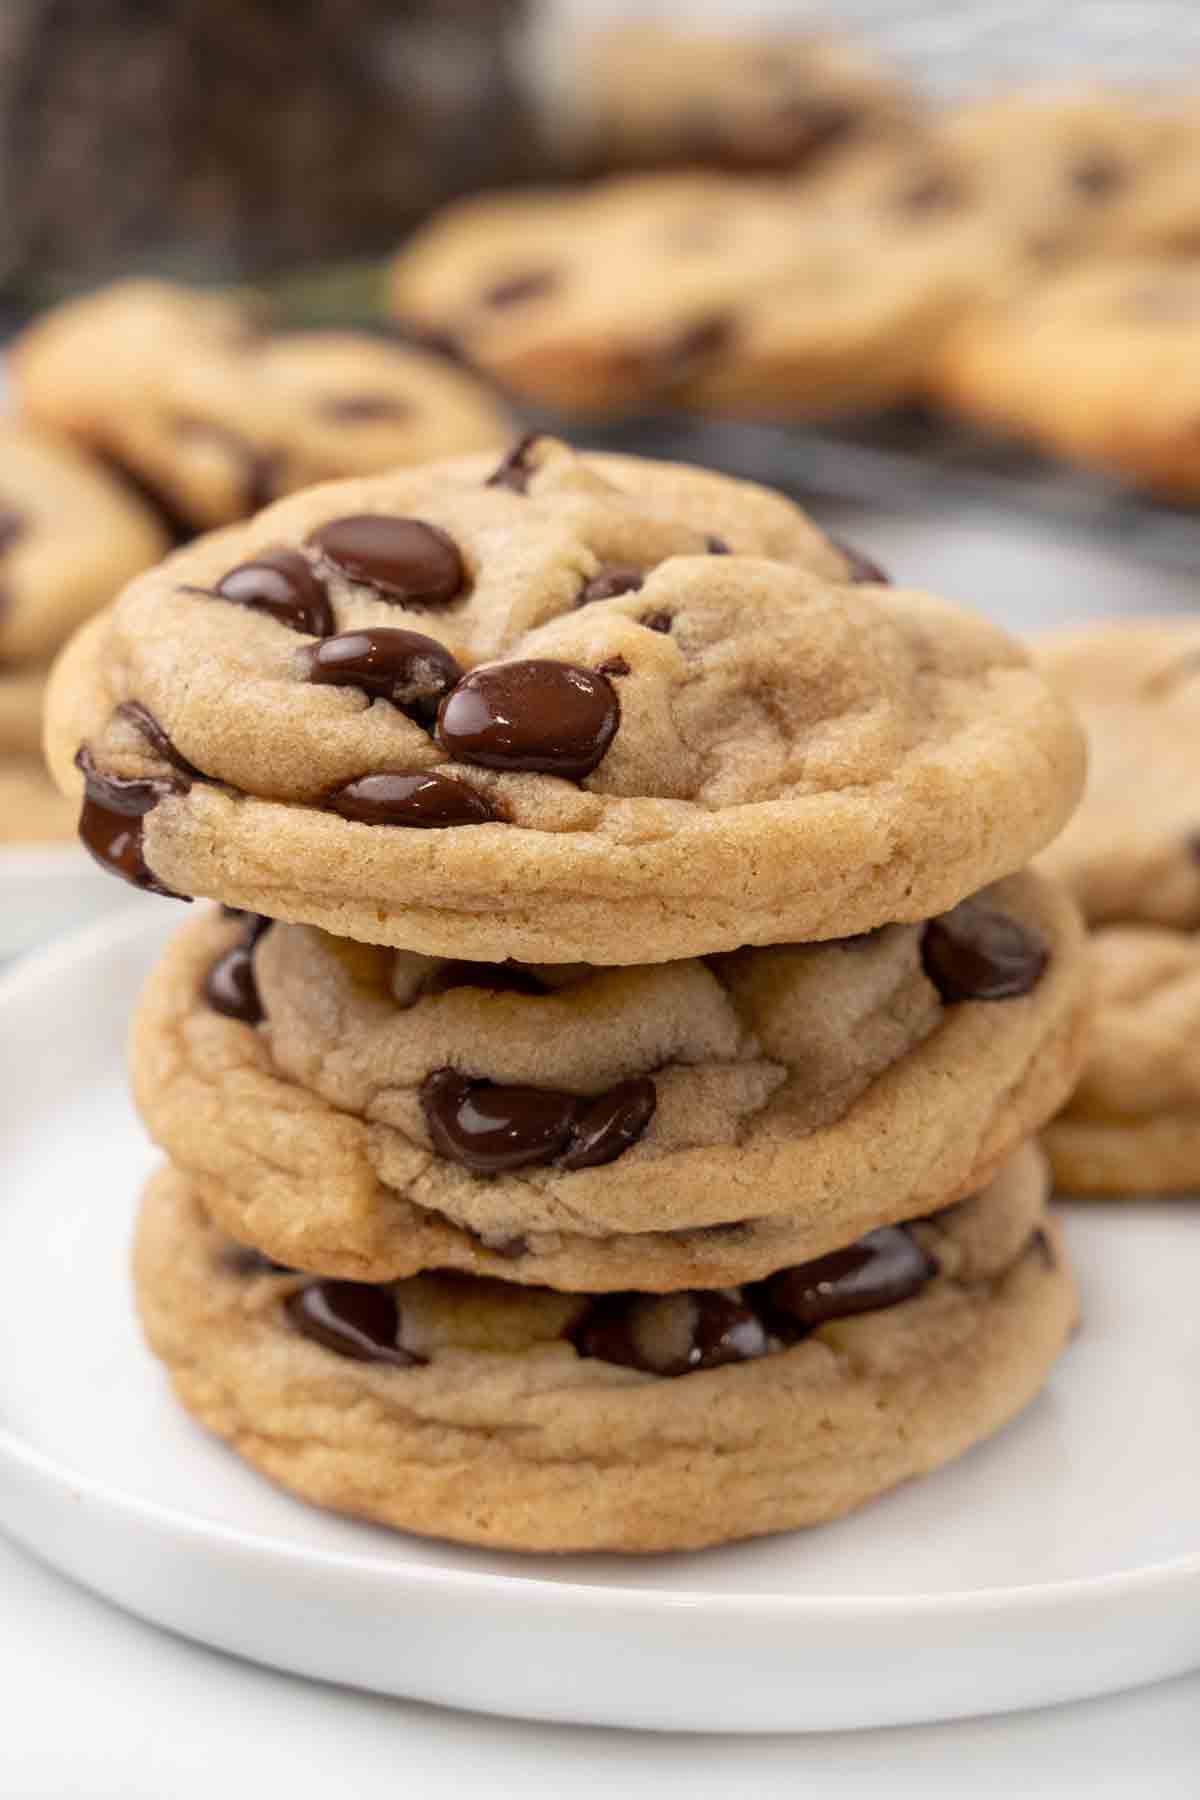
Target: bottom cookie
[[521, 1418]]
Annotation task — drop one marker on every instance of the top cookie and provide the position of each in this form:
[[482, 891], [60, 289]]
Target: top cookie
[[1131, 854], [70, 538], [692, 730], [216, 418]]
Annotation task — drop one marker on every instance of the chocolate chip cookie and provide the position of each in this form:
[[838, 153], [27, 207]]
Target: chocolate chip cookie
[[1133, 1123], [528, 1419], [558, 708], [371, 1113], [215, 416], [1131, 854]]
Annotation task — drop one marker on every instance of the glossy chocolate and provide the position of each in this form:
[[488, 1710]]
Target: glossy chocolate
[[881, 1269], [489, 1128], [406, 561], [143, 721], [606, 1127], [975, 953], [353, 1319], [610, 580], [551, 718], [411, 670], [420, 798], [230, 987], [282, 584], [719, 1330], [111, 820]]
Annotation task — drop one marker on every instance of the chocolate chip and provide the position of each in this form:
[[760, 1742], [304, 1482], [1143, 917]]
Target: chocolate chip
[[110, 821], [495, 978], [613, 665], [230, 987], [363, 409], [533, 284], [881, 1269], [862, 569], [610, 580], [489, 1128], [670, 1335], [975, 953], [716, 546], [1097, 175], [260, 469], [679, 357], [143, 721], [553, 718], [609, 1125], [656, 621], [281, 584], [515, 471], [415, 797], [351, 1318], [13, 525], [414, 672], [407, 561]]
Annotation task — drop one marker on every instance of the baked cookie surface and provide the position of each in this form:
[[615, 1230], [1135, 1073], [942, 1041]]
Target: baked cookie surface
[[647, 711], [1132, 1126], [369, 1113], [532, 1420], [1131, 853], [216, 416]]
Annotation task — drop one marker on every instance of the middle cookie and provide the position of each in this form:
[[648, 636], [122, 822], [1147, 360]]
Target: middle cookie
[[361, 1112]]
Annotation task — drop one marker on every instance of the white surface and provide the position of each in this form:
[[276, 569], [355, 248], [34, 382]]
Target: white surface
[[47, 889], [1060, 1560]]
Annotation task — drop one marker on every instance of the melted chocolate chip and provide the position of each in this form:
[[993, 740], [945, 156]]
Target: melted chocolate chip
[[533, 284], [656, 621], [418, 797], [363, 409], [406, 561], [495, 978], [110, 821], [881, 1269], [230, 987], [1097, 176], [351, 1318], [715, 1330], [716, 546], [613, 665], [491, 1128], [281, 584], [414, 672], [862, 569], [974, 953], [515, 471], [610, 580], [606, 1127], [13, 525], [143, 720], [552, 718], [679, 357]]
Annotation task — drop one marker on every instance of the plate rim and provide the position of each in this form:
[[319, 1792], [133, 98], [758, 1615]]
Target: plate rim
[[52, 962]]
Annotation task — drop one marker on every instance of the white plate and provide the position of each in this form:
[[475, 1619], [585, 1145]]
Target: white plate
[[1058, 1561], [46, 889]]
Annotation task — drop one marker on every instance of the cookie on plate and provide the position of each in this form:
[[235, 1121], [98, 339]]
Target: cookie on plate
[[1133, 1123], [215, 416], [1131, 854], [644, 94], [648, 711], [372, 1113], [528, 1419], [1095, 364]]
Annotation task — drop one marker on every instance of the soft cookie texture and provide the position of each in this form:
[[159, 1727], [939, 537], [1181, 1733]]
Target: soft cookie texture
[[369, 1113], [1131, 854], [215, 416], [1133, 1123], [699, 724], [532, 1420]]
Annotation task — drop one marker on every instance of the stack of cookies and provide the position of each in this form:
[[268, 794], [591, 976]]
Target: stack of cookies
[[599, 1113]]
